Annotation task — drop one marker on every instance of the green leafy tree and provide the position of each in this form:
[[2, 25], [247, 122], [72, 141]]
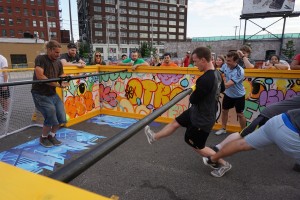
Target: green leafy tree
[[147, 50], [289, 50]]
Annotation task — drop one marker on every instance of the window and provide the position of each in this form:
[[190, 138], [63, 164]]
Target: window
[[12, 33], [181, 23], [99, 49], [41, 24], [154, 21], [180, 37], [18, 60], [182, 2], [10, 22], [181, 9], [155, 28], [163, 29], [133, 42], [165, 15], [97, 17], [4, 33], [172, 8], [133, 19], [132, 4], [42, 35], [98, 25], [133, 35], [26, 23], [19, 21], [153, 14], [163, 8], [34, 23], [52, 24], [143, 35], [33, 12], [164, 1], [154, 6], [97, 1], [53, 34], [123, 19], [25, 12], [40, 13], [163, 22], [111, 26], [97, 9], [122, 3], [173, 1], [39, 2], [51, 13], [163, 36], [124, 50], [98, 33], [17, 9], [172, 37], [143, 5], [50, 2], [133, 27], [1, 10], [2, 21], [144, 28], [180, 30], [173, 16], [181, 16], [172, 23], [123, 34], [112, 2], [132, 12], [110, 10], [32, 2], [172, 30], [143, 20], [9, 11], [144, 13]]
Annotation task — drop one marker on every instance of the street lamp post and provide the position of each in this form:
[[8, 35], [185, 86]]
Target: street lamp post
[[107, 37], [119, 32]]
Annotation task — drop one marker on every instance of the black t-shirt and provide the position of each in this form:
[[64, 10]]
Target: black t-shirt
[[52, 69], [204, 100], [69, 58]]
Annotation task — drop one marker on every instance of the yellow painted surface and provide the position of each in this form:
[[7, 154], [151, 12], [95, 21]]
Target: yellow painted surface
[[19, 184]]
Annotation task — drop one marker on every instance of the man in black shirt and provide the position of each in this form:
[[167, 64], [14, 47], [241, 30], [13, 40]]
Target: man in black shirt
[[71, 58], [201, 116], [44, 94]]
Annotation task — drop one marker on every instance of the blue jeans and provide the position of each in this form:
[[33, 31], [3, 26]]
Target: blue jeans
[[51, 107]]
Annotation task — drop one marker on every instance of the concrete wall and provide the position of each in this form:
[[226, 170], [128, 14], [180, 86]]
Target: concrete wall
[[31, 50], [259, 47]]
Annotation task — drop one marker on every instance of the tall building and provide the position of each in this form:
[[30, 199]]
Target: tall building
[[30, 19], [116, 27]]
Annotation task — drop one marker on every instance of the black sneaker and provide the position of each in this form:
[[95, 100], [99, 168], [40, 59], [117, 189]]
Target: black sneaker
[[54, 141], [296, 167], [45, 142], [207, 161]]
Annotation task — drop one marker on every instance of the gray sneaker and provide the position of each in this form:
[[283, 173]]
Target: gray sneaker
[[45, 142], [220, 132], [150, 134], [54, 141], [221, 170]]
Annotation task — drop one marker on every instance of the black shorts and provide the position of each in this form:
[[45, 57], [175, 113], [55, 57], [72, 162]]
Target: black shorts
[[194, 136], [238, 103], [4, 93]]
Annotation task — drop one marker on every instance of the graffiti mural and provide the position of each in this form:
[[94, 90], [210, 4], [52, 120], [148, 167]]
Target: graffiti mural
[[142, 93], [82, 96]]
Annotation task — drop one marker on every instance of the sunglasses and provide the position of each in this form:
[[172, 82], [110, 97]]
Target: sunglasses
[[98, 55]]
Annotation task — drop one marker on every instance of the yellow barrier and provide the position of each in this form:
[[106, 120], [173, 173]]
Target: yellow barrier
[[18, 184]]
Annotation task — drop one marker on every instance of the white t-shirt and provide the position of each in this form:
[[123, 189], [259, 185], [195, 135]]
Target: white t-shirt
[[3, 65], [283, 62]]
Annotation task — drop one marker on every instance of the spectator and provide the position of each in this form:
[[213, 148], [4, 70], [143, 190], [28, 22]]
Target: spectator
[[245, 61], [134, 61], [167, 62], [187, 58], [296, 62], [72, 58], [4, 91], [219, 62], [275, 63], [123, 57], [156, 61], [97, 59]]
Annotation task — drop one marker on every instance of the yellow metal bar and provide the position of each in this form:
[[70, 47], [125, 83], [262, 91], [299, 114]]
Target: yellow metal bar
[[18, 184]]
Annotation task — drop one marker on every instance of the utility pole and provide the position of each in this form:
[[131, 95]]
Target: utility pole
[[70, 13], [119, 33], [152, 37], [235, 31], [107, 37], [48, 28]]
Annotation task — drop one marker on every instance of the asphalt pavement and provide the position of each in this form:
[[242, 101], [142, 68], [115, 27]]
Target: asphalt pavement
[[170, 170]]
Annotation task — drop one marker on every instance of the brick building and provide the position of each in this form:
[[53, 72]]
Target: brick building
[[28, 18]]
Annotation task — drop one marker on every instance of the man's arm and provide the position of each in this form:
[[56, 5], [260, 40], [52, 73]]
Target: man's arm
[[142, 64], [80, 63], [295, 65], [39, 72], [124, 64], [228, 84]]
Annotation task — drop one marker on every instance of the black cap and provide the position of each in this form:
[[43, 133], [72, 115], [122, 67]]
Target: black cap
[[71, 46]]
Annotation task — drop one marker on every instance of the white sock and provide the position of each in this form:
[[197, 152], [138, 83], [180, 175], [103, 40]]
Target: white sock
[[52, 134]]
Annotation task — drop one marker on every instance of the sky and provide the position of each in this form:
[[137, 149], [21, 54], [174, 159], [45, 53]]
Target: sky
[[208, 18]]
